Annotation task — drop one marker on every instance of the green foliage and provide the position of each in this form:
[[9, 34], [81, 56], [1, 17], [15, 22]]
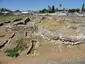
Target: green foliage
[[12, 52], [83, 7], [64, 9], [60, 5], [56, 9], [71, 10], [17, 11], [11, 17], [74, 10], [4, 9], [49, 9], [43, 11], [53, 9], [77, 10], [15, 51]]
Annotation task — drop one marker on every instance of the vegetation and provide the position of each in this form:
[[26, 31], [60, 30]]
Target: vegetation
[[56, 9], [83, 8], [60, 5], [17, 11], [10, 17], [4, 9], [74, 10], [43, 11], [12, 52], [64, 9], [49, 9], [15, 51], [53, 9]]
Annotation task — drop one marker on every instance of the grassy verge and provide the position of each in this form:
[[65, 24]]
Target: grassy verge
[[11, 17]]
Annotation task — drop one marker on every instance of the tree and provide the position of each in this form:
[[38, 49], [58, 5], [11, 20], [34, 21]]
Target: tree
[[67, 10], [60, 5], [49, 9], [43, 10], [64, 9], [56, 9], [2, 9], [77, 10], [53, 9], [6, 10], [74, 10], [71, 10], [83, 7], [17, 11]]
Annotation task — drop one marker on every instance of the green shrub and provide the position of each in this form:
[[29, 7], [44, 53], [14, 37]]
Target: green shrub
[[14, 52]]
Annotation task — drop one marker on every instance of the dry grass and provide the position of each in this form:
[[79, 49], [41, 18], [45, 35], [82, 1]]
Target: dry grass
[[9, 18], [54, 25]]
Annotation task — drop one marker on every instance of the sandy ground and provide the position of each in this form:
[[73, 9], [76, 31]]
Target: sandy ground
[[47, 52]]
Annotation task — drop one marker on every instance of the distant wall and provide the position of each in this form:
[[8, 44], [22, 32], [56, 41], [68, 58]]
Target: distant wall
[[57, 13]]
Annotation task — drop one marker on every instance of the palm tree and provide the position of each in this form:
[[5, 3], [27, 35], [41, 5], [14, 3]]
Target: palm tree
[[64, 9], [83, 7], [49, 9], [60, 5]]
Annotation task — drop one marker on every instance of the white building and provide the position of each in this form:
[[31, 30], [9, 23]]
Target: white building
[[5, 13], [27, 12], [17, 13]]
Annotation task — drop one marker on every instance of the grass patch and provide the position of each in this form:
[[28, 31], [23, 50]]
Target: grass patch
[[11, 17], [15, 51]]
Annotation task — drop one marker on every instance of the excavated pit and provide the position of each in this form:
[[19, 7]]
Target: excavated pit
[[58, 35]]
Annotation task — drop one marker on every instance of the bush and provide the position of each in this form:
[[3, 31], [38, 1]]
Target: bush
[[14, 52], [43, 11], [74, 10]]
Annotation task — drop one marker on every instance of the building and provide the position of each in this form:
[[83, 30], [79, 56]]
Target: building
[[5, 13], [17, 13], [27, 12]]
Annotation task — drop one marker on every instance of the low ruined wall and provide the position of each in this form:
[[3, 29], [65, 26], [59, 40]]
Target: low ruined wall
[[73, 40]]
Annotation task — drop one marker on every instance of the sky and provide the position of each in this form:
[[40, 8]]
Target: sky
[[39, 4]]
